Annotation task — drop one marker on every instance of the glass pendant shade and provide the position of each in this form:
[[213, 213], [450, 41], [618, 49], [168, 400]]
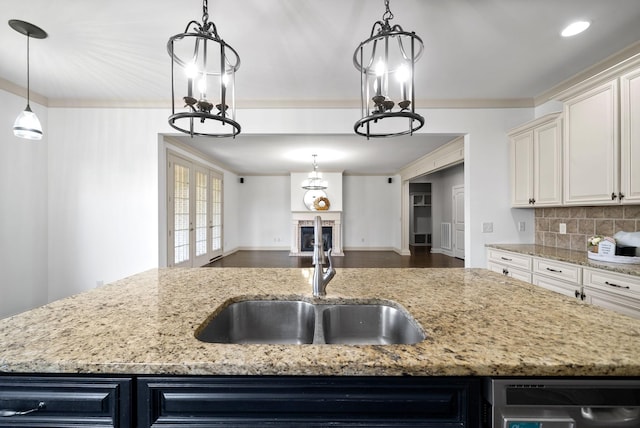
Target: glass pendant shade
[[386, 62], [203, 70], [27, 125], [314, 180]]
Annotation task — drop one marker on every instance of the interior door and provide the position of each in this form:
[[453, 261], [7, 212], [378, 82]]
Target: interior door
[[458, 221], [194, 213], [179, 212]]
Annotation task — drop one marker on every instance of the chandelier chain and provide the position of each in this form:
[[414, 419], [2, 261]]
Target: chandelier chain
[[388, 15], [205, 12]]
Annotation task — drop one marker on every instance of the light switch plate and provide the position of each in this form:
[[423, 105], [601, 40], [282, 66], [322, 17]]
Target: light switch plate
[[563, 228], [521, 226], [487, 227]]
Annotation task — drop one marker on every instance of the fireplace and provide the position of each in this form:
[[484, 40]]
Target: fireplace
[[302, 232], [307, 238]]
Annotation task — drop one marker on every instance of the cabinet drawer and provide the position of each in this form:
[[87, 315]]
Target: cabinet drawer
[[65, 401], [562, 287], [511, 272], [558, 270], [615, 302], [624, 285], [510, 259], [294, 401]]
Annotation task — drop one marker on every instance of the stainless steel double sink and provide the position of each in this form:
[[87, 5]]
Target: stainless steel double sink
[[299, 322]]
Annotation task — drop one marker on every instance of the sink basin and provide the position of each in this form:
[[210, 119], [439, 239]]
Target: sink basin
[[298, 322], [261, 321], [369, 325]]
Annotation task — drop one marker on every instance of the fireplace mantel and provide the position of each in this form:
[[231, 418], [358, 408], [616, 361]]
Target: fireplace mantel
[[306, 218]]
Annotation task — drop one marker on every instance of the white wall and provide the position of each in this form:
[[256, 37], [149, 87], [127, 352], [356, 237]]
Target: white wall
[[23, 211], [371, 216], [103, 194], [442, 183], [264, 212]]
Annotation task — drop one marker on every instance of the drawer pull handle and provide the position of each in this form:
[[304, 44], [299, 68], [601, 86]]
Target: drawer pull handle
[[9, 413], [504, 258], [554, 270], [626, 287]]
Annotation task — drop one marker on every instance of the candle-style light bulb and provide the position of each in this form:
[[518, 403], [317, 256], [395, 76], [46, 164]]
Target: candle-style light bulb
[[191, 70], [403, 74], [380, 70]]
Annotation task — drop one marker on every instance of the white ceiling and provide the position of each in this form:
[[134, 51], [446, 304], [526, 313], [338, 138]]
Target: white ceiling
[[298, 53]]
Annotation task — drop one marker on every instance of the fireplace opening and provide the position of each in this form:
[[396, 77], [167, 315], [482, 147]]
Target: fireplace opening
[[307, 238]]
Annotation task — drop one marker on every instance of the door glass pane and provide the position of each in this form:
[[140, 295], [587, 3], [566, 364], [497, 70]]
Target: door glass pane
[[181, 213], [216, 218], [201, 212]]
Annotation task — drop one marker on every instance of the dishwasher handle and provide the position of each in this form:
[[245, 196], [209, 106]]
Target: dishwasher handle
[[611, 415]]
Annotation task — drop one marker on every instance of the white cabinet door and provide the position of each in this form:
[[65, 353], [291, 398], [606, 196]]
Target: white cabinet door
[[536, 163], [547, 164], [630, 137], [591, 144], [522, 169]]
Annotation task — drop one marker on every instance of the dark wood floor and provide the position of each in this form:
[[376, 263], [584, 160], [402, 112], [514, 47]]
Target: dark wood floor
[[420, 258]]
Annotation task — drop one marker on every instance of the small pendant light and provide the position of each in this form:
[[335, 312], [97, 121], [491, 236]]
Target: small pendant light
[[27, 124]]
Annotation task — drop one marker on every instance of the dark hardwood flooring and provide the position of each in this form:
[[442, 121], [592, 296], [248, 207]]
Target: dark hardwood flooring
[[420, 258]]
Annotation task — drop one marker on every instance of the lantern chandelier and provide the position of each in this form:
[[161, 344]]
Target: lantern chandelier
[[203, 70], [386, 61], [27, 124], [314, 180]]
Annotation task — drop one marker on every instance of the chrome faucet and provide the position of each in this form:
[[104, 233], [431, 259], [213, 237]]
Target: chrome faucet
[[320, 277]]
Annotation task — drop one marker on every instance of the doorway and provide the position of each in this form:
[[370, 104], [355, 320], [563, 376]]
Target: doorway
[[458, 221]]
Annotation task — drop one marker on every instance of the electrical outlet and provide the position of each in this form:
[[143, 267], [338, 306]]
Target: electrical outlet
[[487, 227], [521, 226], [563, 228]]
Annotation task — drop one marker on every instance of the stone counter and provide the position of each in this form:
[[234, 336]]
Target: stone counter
[[477, 323], [569, 256]]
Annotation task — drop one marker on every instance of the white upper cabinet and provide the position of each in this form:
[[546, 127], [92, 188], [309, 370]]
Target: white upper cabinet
[[630, 137], [591, 146], [536, 163]]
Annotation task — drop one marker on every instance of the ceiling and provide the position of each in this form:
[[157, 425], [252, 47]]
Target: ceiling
[[298, 54]]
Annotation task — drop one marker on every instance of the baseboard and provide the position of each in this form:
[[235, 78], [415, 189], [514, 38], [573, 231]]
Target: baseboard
[[442, 251], [369, 249], [287, 248]]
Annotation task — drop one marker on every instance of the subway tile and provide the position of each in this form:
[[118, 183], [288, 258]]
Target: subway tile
[[554, 225], [579, 242], [595, 212], [563, 212], [572, 225], [542, 224], [539, 238], [577, 212], [604, 227], [632, 211], [613, 212], [538, 212], [549, 212], [587, 226], [549, 239], [624, 225], [563, 241]]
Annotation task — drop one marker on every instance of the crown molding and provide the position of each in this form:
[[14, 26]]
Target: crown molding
[[598, 73], [22, 92]]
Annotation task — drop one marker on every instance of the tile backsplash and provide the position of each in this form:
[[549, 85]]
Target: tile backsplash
[[583, 222]]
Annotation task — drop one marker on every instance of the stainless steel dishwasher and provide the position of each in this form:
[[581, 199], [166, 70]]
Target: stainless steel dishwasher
[[561, 403]]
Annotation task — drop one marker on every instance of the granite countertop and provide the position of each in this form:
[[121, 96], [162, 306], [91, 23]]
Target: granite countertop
[[477, 323], [569, 256]]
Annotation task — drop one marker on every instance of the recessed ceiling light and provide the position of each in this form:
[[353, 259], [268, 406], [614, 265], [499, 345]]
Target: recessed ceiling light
[[575, 28]]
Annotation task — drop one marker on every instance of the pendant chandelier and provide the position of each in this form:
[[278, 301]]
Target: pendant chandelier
[[27, 124], [314, 180], [386, 62], [203, 70]]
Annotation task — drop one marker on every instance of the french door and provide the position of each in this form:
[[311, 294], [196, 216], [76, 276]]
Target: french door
[[194, 213]]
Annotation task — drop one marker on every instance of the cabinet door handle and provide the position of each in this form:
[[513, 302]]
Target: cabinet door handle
[[505, 271], [554, 270], [533, 201], [626, 287], [504, 258], [577, 294], [613, 196], [9, 413], [620, 195]]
